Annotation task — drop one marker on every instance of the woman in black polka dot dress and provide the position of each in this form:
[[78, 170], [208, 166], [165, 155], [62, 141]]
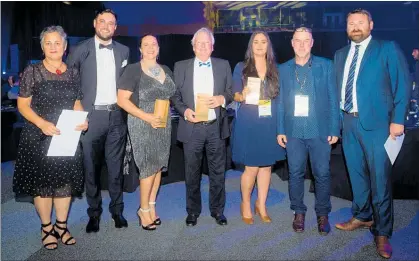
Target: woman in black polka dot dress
[[46, 89]]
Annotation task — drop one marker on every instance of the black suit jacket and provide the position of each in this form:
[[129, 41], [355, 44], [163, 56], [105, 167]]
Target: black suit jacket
[[184, 96], [83, 57]]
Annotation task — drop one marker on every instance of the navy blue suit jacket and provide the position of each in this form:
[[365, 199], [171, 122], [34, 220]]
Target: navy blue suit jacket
[[326, 99], [383, 86]]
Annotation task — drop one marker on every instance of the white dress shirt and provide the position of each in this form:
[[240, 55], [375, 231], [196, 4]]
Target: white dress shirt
[[363, 46], [203, 82], [106, 80]]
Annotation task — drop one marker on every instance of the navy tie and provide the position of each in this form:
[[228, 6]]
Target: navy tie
[[350, 82], [207, 64]]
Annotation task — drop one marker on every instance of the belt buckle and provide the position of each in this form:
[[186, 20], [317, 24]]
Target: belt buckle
[[110, 107], [353, 114]]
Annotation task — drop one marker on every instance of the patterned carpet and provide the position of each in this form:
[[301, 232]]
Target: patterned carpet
[[20, 235]]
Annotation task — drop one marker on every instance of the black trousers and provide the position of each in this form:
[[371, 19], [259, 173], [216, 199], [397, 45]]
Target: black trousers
[[105, 139], [205, 137]]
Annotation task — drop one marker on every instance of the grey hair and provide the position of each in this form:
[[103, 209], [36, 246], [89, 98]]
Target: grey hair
[[205, 30], [53, 29], [302, 29]]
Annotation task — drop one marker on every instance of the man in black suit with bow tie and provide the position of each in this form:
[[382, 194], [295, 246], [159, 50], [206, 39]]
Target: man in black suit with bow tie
[[211, 77], [101, 62]]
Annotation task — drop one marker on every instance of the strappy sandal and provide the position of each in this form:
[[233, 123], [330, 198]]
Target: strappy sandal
[[65, 229], [52, 233], [149, 226], [157, 222]]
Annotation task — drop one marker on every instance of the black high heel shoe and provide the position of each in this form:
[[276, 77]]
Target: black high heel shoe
[[149, 226], [52, 233], [65, 229], [157, 222]]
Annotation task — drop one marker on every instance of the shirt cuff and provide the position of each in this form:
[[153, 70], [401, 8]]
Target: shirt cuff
[[224, 103]]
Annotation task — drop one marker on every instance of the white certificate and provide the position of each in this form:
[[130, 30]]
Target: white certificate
[[393, 147], [66, 143], [254, 90], [301, 106]]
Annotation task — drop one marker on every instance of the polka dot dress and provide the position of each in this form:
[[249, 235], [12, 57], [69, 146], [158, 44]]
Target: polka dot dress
[[35, 173]]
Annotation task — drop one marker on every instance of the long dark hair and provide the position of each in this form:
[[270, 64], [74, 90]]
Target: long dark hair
[[249, 68]]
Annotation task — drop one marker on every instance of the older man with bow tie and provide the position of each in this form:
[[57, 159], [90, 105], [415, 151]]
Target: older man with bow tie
[[211, 78]]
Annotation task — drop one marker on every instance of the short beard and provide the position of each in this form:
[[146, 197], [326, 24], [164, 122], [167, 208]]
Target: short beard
[[358, 40], [103, 38]]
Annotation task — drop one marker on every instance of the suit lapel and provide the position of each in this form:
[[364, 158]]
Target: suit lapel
[[92, 55], [367, 55], [316, 70], [216, 77], [292, 82], [341, 66], [118, 60], [189, 73], [218, 86]]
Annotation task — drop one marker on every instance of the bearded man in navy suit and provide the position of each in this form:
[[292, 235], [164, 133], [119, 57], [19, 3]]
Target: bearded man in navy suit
[[374, 86]]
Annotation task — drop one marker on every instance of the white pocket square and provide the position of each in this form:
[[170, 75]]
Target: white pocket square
[[124, 63]]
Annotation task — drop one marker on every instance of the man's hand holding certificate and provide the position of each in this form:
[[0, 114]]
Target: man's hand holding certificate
[[201, 107], [70, 124], [253, 94]]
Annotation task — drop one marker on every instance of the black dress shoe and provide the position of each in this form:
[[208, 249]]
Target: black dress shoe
[[120, 221], [93, 225], [191, 220], [220, 219]]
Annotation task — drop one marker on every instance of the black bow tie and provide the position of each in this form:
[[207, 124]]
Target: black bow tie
[[109, 46]]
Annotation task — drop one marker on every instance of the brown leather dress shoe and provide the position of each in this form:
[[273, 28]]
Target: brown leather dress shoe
[[323, 225], [265, 219], [246, 220], [353, 224], [383, 246], [298, 223]]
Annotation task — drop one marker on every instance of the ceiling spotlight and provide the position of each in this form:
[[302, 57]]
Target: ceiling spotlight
[[67, 2]]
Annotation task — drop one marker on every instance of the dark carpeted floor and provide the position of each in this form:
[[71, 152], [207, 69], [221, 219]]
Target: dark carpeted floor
[[173, 240]]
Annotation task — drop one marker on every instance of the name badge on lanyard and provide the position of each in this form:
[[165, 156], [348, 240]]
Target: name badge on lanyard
[[301, 106], [301, 101], [265, 108]]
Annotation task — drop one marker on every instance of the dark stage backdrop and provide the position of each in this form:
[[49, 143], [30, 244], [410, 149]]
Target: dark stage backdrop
[[30, 18], [232, 46]]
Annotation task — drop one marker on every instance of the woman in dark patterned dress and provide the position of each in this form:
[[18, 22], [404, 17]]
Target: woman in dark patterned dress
[[147, 145], [47, 88]]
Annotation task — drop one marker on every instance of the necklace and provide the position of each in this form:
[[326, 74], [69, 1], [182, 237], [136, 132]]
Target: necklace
[[57, 69], [302, 83], [155, 70]]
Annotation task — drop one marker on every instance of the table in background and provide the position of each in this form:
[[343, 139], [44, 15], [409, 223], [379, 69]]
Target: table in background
[[10, 133]]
